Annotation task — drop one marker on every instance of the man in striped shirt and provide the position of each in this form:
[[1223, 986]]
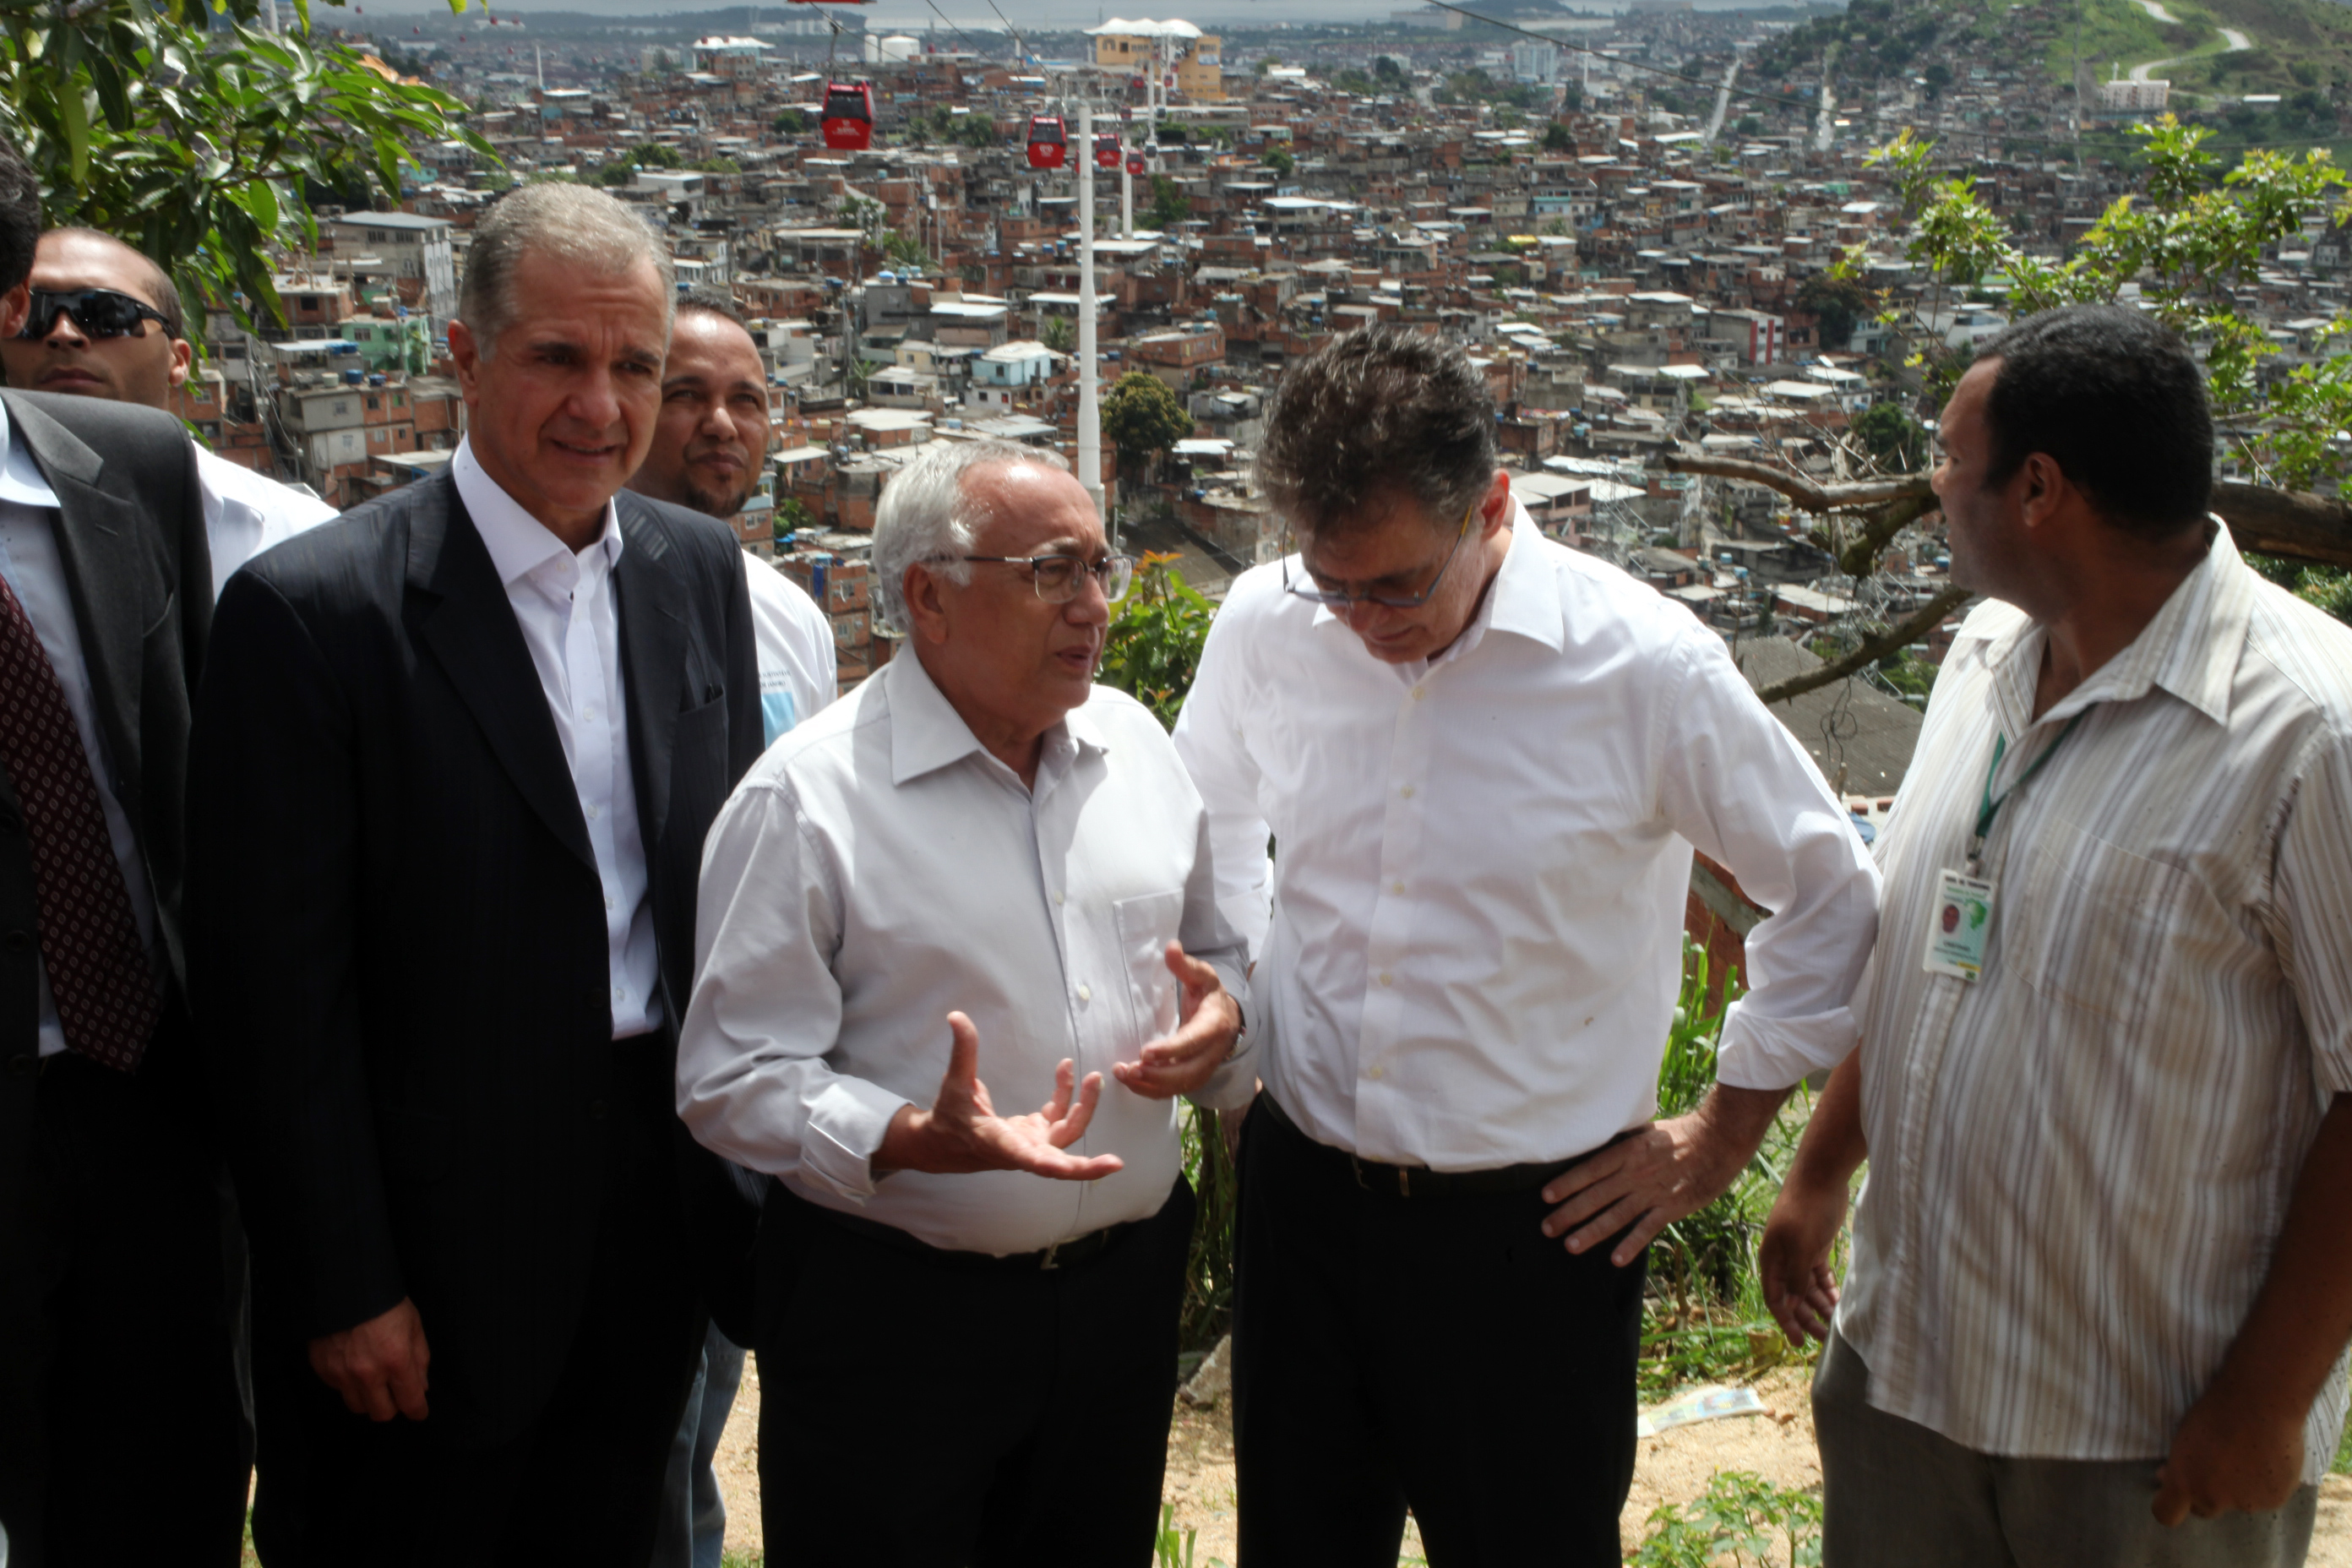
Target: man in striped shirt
[[2101, 1285]]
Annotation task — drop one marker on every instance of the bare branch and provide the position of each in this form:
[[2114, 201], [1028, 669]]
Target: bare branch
[[1872, 649], [1808, 495], [2296, 525]]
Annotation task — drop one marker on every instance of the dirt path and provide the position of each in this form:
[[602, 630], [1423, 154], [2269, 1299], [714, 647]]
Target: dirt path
[[1672, 1467]]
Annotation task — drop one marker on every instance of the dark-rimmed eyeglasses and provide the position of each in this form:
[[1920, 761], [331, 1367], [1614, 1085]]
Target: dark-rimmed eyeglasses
[[1056, 576], [98, 312], [1310, 588]]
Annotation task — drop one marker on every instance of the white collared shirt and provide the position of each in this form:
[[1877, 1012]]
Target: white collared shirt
[[2080, 1162], [878, 868], [30, 560], [570, 616], [247, 512], [1474, 940], [797, 658]]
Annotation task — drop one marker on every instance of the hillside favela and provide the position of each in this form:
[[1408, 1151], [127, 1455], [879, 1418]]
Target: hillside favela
[[1931, 416]]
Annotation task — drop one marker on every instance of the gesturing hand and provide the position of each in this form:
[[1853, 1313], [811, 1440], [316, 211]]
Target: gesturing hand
[[1208, 1021], [961, 1131], [378, 1366]]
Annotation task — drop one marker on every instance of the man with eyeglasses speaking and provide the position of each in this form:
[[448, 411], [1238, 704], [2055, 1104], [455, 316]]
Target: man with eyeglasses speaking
[[1484, 759], [979, 884], [106, 322]]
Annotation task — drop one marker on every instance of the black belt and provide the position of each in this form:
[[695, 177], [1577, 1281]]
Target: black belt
[[1420, 1180], [1061, 1255]]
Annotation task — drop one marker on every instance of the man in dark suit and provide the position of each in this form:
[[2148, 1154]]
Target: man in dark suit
[[120, 1431], [454, 760]]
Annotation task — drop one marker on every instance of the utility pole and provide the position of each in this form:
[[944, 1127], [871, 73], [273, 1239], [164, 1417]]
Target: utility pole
[[1090, 395], [1126, 195]]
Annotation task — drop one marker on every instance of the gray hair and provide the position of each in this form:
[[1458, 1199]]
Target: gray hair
[[576, 224], [926, 517]]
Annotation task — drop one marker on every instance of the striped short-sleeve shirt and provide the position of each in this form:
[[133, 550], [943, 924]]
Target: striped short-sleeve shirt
[[2081, 1160]]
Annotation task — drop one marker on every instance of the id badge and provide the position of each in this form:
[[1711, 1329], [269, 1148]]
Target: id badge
[[1961, 925]]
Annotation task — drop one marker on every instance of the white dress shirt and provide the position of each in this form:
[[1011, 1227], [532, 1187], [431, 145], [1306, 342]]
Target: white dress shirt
[[246, 513], [1473, 941], [878, 868], [571, 621], [797, 669], [36, 571], [2080, 1162]]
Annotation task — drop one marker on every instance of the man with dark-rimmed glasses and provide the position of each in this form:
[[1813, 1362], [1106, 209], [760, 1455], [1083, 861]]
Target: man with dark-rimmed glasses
[[977, 879], [1485, 759]]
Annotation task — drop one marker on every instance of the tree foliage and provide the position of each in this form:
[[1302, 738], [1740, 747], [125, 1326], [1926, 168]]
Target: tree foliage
[[1170, 206], [200, 144], [1892, 435], [1143, 417], [2187, 249]]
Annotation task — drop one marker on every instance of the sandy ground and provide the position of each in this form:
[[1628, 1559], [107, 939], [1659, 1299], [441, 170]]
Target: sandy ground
[[1672, 1467]]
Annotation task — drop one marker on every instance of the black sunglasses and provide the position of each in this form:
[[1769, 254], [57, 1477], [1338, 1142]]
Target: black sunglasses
[[98, 312]]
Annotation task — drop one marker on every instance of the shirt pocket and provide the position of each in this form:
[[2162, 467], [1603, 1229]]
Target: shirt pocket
[[1146, 924], [2110, 934]]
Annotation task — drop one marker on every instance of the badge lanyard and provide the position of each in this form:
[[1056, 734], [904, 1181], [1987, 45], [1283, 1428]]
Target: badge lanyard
[[1959, 925], [1991, 807]]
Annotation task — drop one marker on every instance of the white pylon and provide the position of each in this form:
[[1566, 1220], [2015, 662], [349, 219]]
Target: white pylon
[[1089, 394]]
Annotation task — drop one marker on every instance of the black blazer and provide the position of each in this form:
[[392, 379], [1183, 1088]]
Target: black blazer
[[400, 964], [130, 534]]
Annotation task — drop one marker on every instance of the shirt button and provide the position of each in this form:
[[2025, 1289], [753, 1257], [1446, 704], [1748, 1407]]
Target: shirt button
[[1406, 792], [1385, 977], [594, 814], [1086, 994], [589, 714], [1418, 692], [1377, 1072], [1057, 900], [619, 993], [611, 903], [1397, 887]]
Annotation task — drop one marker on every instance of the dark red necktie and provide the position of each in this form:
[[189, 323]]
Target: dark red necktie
[[98, 967]]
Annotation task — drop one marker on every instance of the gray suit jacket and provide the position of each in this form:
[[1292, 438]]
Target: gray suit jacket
[[130, 531]]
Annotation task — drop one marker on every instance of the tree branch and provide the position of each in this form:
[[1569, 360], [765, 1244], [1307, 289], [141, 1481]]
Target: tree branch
[[1808, 495], [1872, 649], [2296, 525]]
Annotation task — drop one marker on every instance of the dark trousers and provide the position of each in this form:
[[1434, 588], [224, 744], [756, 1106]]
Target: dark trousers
[[121, 1433], [1438, 1353], [919, 1410], [582, 1484]]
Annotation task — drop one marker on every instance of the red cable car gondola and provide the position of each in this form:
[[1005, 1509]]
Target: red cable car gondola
[[848, 117], [1134, 161], [1107, 149], [1048, 143]]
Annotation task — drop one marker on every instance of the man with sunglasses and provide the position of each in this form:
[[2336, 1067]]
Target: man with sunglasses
[[120, 1435], [979, 877], [1486, 759], [106, 322]]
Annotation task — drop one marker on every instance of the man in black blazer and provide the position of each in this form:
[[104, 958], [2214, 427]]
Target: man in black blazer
[[454, 756], [120, 1438]]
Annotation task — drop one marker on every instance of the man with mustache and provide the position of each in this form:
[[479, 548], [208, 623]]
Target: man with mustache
[[708, 444]]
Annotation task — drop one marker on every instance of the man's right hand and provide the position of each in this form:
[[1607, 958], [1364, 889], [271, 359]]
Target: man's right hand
[[379, 1366], [1793, 1262], [961, 1131]]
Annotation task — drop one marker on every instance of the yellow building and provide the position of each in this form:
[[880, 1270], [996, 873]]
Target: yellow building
[[1154, 49]]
